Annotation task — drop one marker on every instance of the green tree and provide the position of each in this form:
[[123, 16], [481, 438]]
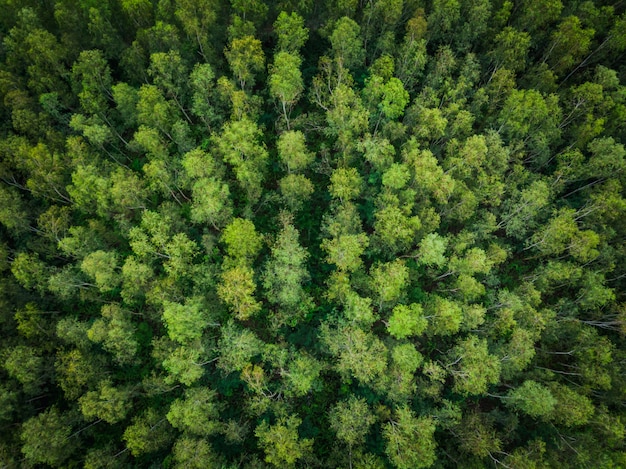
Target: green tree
[[296, 190], [242, 241], [108, 403], [148, 433], [46, 438], [292, 34], [351, 421], [117, 333], [194, 453], [407, 321], [473, 368], [198, 18], [293, 152], [240, 147], [246, 58], [102, 267], [185, 322], [282, 445], [389, 280], [359, 354], [532, 398], [197, 412], [285, 82], [285, 274], [409, 440], [347, 45]]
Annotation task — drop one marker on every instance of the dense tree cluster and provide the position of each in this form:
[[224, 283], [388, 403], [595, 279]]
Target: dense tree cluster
[[363, 234]]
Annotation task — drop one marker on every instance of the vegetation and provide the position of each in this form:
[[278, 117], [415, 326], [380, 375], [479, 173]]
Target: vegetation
[[375, 234]]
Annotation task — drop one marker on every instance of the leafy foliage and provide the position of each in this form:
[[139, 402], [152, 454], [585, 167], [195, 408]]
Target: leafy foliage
[[312, 234]]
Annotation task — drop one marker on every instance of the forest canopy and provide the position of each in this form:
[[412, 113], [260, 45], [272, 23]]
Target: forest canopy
[[355, 234]]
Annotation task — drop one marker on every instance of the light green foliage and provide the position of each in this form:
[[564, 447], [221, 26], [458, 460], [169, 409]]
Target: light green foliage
[[236, 289], [135, 277], [302, 375], [210, 194], [237, 347], [347, 118], [291, 31], [211, 201], [102, 267], [474, 368], [407, 321], [607, 158], [108, 403], [359, 354], [242, 241], [201, 81], [198, 164], [511, 49], [116, 331], [180, 251], [408, 229], [395, 230], [570, 45], [45, 438], [345, 251], [296, 190], [285, 81], [153, 110], [345, 184], [389, 281], [184, 322], [409, 440], [285, 272], [198, 18], [183, 364], [406, 357], [239, 146], [293, 152], [281, 443], [76, 370], [169, 73], [193, 453], [432, 250], [533, 399], [358, 309], [92, 75], [346, 43], [572, 408], [523, 210], [412, 55], [474, 261], [529, 116], [351, 420], [427, 172], [148, 433], [394, 99], [197, 412], [378, 152], [29, 271], [519, 351], [246, 58], [396, 176], [31, 322], [446, 315], [12, 214]]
